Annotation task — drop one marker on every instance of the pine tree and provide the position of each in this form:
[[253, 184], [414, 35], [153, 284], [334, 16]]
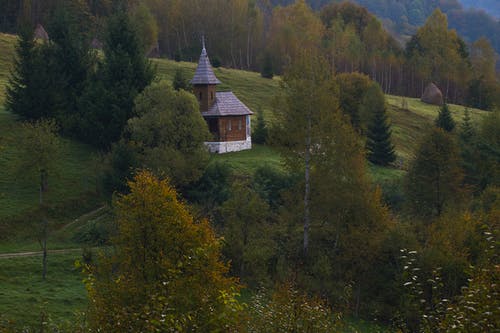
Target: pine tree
[[435, 177], [469, 150], [260, 133], [444, 119], [25, 84], [378, 143], [70, 59], [108, 101], [467, 131], [267, 67], [180, 80]]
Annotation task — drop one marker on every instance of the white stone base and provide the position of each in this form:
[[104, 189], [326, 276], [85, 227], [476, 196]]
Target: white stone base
[[229, 146]]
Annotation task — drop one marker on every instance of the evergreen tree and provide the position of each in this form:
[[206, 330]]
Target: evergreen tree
[[267, 67], [378, 143], [260, 133], [25, 85], [469, 150], [467, 132], [108, 101], [70, 58], [444, 119], [435, 177], [180, 80]]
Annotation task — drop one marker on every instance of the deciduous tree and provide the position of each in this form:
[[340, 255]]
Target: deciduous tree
[[165, 272], [169, 133], [40, 149]]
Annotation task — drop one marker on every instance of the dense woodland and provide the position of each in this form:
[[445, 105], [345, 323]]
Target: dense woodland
[[314, 242], [256, 35]]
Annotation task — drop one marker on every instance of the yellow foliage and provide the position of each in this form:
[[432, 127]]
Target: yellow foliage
[[166, 271]]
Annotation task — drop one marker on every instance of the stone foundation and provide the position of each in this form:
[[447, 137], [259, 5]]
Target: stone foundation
[[229, 146]]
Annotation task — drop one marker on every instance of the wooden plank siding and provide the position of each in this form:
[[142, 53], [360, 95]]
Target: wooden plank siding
[[229, 128]]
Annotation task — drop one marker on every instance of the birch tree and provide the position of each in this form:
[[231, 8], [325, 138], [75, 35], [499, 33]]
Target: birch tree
[[40, 147], [302, 112]]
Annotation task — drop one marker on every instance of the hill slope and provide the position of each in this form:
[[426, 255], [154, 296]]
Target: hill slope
[[492, 7], [403, 17], [77, 173]]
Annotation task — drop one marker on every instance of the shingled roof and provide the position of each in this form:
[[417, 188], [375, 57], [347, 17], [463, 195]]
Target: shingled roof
[[204, 73], [227, 104]]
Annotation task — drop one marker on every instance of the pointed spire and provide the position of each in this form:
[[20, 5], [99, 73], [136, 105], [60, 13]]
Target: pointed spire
[[204, 73]]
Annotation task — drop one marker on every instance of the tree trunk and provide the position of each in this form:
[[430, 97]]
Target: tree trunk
[[43, 241], [307, 217], [248, 44], [358, 296]]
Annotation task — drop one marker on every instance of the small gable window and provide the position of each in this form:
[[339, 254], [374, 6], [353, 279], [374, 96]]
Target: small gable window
[[239, 125]]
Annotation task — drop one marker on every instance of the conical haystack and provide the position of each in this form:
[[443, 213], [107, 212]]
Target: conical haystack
[[40, 33], [432, 95], [96, 44]]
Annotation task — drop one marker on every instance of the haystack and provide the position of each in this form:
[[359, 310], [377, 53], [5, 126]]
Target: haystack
[[153, 51], [41, 33], [432, 95], [96, 44]]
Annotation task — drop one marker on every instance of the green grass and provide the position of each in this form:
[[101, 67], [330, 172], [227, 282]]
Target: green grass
[[24, 295], [7, 43], [74, 176], [409, 126], [247, 161], [250, 87]]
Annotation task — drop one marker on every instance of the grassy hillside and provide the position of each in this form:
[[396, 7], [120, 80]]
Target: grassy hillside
[[408, 125], [25, 297], [71, 185], [7, 43], [76, 174], [63, 293]]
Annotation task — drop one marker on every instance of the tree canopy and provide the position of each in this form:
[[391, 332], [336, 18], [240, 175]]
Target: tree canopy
[[166, 271]]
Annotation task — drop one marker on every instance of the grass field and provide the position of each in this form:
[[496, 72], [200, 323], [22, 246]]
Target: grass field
[[24, 296], [7, 43]]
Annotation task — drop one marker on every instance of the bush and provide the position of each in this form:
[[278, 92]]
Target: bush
[[290, 310]]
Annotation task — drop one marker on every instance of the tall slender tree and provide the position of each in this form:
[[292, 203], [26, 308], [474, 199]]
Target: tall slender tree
[[435, 177], [40, 150], [24, 85], [108, 101], [378, 142], [305, 105], [444, 119]]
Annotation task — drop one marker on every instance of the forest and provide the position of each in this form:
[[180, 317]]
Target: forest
[[189, 244], [258, 35]]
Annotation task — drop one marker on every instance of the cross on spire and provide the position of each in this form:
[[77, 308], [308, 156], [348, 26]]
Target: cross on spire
[[203, 41]]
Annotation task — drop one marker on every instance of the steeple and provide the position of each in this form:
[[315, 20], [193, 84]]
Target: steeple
[[204, 73], [204, 81]]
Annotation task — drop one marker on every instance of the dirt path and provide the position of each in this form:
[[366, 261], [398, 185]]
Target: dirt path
[[60, 251], [84, 217], [36, 253]]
